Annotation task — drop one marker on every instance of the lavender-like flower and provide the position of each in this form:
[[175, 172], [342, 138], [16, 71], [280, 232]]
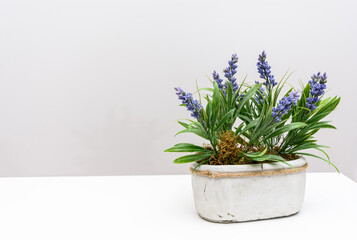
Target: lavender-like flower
[[192, 105], [285, 105], [317, 87], [265, 72], [229, 74], [217, 79], [230, 71]]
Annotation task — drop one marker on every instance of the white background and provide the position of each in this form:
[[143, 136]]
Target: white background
[[86, 87]]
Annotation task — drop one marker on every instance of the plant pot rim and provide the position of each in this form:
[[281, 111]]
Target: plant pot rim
[[297, 163]]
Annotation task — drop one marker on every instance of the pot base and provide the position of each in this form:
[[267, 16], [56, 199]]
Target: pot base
[[234, 221]]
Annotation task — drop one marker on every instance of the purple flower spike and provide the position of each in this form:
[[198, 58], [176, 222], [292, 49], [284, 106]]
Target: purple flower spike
[[192, 105], [317, 88], [229, 73], [217, 79], [285, 105], [265, 72]]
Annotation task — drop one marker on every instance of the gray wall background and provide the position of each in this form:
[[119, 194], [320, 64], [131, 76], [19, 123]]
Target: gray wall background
[[86, 87]]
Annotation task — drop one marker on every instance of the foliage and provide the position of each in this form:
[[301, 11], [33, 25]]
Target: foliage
[[249, 124]]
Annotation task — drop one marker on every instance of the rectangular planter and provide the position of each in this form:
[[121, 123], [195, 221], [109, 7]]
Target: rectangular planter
[[238, 193]]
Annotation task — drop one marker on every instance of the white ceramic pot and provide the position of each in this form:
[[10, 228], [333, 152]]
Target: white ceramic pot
[[245, 198]]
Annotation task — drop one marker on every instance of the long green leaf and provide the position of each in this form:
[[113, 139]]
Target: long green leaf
[[271, 157], [196, 131], [286, 128], [186, 147], [192, 158], [248, 96], [307, 146], [257, 154], [224, 119], [312, 155]]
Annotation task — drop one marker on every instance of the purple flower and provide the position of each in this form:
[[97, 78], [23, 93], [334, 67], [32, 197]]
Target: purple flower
[[294, 96], [230, 71], [217, 79], [317, 88], [318, 78], [265, 72], [192, 105], [285, 105]]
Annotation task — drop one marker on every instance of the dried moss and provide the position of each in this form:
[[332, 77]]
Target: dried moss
[[230, 148]]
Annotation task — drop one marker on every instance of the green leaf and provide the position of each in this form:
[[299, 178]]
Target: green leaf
[[186, 147], [328, 157], [271, 157], [252, 124], [301, 116], [324, 109], [280, 86], [192, 158], [286, 128], [307, 146], [224, 119], [199, 164], [239, 128], [196, 131], [257, 154], [312, 155], [209, 114], [229, 93], [321, 125], [207, 89], [248, 95], [185, 125]]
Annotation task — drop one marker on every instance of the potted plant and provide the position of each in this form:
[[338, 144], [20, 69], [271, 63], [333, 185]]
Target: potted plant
[[251, 163]]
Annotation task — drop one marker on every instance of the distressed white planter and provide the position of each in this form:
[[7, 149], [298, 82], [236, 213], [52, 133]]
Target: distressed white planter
[[240, 199]]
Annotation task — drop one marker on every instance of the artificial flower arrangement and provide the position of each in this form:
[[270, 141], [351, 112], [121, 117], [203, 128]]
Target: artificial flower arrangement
[[245, 124], [269, 128]]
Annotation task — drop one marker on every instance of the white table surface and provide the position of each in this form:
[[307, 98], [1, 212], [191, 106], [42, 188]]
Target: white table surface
[[159, 207]]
